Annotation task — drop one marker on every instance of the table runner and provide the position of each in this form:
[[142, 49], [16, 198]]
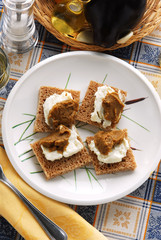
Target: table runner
[[138, 215]]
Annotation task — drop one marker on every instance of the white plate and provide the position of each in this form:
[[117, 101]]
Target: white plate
[[143, 121]]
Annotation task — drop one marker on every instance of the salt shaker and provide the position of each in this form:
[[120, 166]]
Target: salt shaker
[[19, 33]]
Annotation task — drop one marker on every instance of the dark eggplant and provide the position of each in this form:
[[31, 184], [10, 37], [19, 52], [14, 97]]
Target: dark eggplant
[[113, 19]]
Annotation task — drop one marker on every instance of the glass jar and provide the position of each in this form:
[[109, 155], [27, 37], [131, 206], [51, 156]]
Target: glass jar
[[68, 16]]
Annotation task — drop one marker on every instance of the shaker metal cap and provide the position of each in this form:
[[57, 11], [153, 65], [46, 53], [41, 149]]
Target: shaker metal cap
[[18, 4]]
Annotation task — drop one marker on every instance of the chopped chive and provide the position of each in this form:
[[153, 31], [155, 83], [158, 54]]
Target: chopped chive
[[22, 138], [89, 130], [75, 179], [27, 158], [62, 177], [132, 139], [87, 171], [26, 138], [95, 178], [65, 179], [36, 172], [68, 81], [25, 153], [19, 124], [135, 122], [30, 140], [26, 129], [126, 109], [84, 124], [128, 136], [90, 168], [29, 135], [28, 114], [104, 78], [77, 123]]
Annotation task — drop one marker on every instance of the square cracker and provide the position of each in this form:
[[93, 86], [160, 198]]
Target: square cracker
[[63, 165], [87, 106], [127, 164], [44, 92]]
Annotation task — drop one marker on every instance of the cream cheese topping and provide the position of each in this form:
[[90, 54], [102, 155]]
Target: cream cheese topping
[[74, 146], [54, 99], [115, 155], [98, 114]]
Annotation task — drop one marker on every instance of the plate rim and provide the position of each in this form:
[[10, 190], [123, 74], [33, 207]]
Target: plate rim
[[55, 58]]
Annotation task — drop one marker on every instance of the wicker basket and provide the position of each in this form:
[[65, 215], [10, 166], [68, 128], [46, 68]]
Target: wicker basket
[[43, 10]]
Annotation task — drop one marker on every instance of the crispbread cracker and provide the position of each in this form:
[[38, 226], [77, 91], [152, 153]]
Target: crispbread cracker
[[45, 92], [63, 165], [87, 106], [127, 164]]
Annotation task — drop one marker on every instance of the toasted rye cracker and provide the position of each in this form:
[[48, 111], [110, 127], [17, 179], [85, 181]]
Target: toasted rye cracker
[[87, 106], [127, 164], [44, 92], [63, 165]]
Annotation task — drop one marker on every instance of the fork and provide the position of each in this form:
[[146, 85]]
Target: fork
[[53, 231]]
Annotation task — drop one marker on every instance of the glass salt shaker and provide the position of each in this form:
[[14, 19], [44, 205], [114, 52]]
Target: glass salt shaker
[[19, 33]]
